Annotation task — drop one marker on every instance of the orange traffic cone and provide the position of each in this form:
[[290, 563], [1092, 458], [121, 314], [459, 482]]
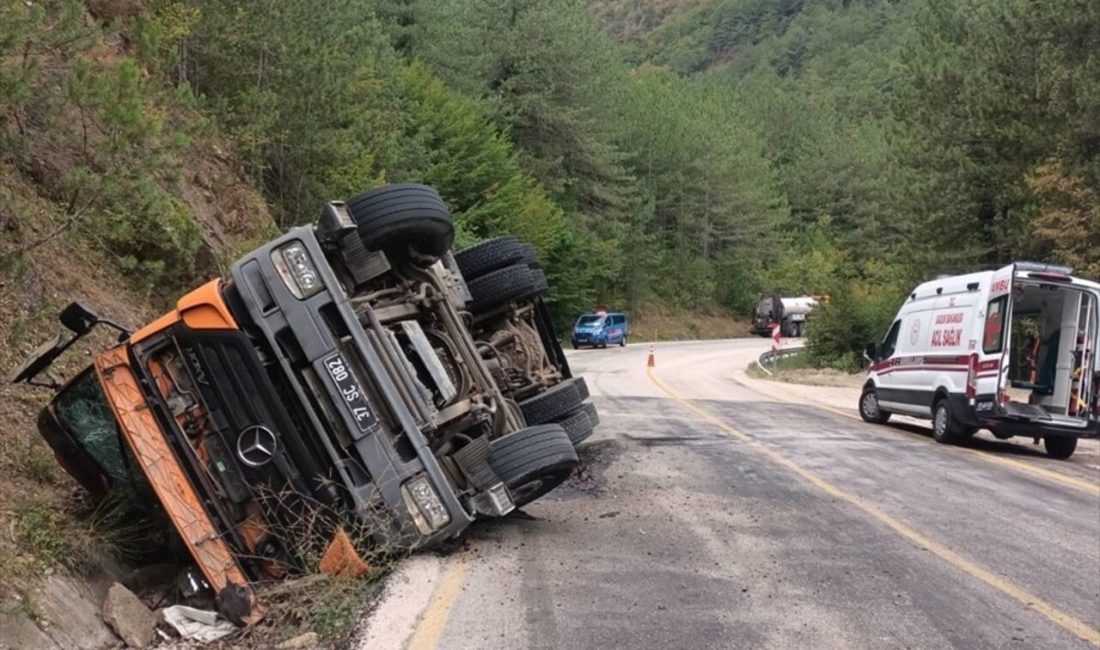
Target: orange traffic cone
[[650, 362]]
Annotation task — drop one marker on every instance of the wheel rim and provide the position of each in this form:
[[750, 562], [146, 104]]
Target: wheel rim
[[870, 405], [940, 424]]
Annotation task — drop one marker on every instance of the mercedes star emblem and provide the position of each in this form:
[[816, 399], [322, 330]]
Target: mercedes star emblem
[[256, 446]]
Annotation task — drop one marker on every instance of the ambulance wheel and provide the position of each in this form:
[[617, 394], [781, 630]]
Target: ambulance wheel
[[1060, 447], [869, 409], [945, 429]]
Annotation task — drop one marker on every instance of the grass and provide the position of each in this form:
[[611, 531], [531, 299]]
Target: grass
[[662, 323], [308, 600], [786, 366], [799, 369]]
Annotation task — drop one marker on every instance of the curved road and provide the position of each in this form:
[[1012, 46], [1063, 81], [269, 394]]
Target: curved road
[[716, 511]]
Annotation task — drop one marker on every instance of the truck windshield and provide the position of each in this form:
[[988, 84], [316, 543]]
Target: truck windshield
[[82, 409], [588, 321]]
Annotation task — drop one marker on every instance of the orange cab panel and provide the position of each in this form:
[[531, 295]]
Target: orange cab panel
[[202, 309], [168, 480]]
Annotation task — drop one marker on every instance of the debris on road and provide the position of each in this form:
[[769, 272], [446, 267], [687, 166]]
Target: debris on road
[[196, 624]]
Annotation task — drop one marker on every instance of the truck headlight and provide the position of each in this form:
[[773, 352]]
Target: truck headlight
[[423, 503], [296, 269]]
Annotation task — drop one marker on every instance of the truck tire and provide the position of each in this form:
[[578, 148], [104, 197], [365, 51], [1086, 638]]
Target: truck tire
[[1060, 447], [869, 409], [403, 213], [945, 428], [498, 287], [580, 423], [552, 404], [539, 285], [582, 387], [529, 256], [533, 461], [489, 255]]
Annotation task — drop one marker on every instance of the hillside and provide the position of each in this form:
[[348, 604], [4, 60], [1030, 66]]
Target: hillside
[[113, 191], [908, 138]]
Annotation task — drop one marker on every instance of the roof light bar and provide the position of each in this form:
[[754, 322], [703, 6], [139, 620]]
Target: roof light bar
[[1043, 267]]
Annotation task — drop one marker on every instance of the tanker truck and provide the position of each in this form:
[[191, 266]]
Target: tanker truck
[[789, 312]]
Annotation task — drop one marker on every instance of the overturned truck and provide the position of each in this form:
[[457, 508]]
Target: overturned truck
[[334, 370]]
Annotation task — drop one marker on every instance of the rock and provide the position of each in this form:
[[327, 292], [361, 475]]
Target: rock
[[134, 623], [69, 611], [300, 642]]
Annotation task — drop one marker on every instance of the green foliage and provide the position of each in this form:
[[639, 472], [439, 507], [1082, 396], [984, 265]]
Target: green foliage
[[994, 91], [858, 312], [718, 151]]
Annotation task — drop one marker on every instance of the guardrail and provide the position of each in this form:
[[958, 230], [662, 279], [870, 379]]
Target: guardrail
[[771, 357]]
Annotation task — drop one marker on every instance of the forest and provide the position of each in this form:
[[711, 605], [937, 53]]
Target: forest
[[688, 154]]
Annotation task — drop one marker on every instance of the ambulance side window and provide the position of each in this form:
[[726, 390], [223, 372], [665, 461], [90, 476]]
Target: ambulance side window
[[993, 334], [886, 350]]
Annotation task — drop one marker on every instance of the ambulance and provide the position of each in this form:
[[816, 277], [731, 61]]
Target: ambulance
[[1012, 350]]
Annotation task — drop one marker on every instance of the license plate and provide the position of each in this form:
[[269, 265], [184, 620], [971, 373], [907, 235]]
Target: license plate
[[355, 400]]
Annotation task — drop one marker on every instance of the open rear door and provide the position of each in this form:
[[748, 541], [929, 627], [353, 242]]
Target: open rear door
[[995, 346]]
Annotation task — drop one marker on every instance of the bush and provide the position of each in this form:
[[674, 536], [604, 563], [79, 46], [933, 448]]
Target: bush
[[858, 312]]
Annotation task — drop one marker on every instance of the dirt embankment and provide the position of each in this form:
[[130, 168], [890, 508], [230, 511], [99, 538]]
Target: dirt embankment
[[661, 323], [67, 179]]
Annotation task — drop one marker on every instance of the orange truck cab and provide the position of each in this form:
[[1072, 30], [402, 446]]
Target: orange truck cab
[[137, 410]]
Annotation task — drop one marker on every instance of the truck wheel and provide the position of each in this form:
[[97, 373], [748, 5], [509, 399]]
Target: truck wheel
[[533, 461], [489, 255], [945, 429], [581, 386], [580, 423], [869, 409], [1060, 447], [540, 285], [622, 341], [529, 256], [552, 404], [498, 287], [403, 213]]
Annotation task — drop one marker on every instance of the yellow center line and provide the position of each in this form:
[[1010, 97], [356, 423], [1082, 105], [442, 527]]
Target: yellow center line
[[1089, 487], [1074, 625], [434, 619]]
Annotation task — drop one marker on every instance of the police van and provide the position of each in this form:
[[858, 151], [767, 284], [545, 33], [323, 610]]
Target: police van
[[1013, 351]]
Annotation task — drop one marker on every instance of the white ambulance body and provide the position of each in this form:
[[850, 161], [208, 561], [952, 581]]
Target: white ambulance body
[[1012, 350]]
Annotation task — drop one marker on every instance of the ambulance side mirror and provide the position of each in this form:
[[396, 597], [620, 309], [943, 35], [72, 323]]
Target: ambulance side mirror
[[870, 352]]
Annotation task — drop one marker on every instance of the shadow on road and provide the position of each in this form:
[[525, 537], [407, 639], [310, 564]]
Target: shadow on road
[[978, 444]]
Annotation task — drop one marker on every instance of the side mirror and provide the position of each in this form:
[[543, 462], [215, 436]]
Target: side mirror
[[870, 352], [78, 318], [40, 360]]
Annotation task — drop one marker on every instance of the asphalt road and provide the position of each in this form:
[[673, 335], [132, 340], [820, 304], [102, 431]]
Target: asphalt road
[[712, 512]]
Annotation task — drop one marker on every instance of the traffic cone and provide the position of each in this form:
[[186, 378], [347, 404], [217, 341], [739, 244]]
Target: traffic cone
[[650, 362]]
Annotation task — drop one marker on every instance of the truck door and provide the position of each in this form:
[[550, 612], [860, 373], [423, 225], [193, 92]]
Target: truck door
[[990, 366]]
